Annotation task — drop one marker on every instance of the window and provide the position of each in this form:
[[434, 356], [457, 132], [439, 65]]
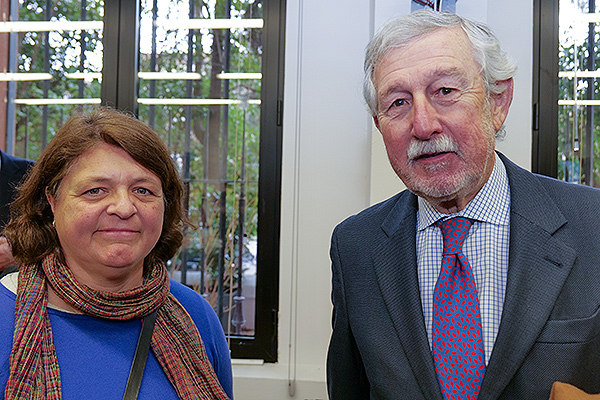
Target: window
[[207, 75], [566, 129]]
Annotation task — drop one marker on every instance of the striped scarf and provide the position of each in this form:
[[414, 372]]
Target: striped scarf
[[176, 343]]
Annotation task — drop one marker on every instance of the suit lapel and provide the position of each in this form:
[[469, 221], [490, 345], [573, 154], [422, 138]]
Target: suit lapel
[[538, 267], [396, 270]]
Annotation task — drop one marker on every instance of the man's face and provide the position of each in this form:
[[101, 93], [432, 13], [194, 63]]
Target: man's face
[[438, 124]]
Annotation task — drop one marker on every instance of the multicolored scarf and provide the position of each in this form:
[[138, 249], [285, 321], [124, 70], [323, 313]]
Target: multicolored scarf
[[176, 343]]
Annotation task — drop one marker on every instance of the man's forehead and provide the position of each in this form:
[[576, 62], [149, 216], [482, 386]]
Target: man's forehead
[[451, 39], [445, 52]]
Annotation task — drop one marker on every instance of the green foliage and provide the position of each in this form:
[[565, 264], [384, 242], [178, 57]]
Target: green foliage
[[574, 53], [197, 132]]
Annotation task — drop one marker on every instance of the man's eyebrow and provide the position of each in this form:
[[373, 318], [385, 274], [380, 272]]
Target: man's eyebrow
[[437, 73]]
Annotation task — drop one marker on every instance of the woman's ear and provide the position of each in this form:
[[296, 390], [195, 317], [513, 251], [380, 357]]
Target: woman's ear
[[50, 199]]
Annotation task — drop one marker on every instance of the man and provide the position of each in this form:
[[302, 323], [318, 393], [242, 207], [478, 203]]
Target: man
[[12, 170], [480, 281]]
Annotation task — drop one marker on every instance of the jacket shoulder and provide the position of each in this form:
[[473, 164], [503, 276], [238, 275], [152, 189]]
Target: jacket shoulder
[[374, 216], [571, 196]]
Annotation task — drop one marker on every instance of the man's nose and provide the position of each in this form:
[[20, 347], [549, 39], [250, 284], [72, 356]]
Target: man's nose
[[426, 120]]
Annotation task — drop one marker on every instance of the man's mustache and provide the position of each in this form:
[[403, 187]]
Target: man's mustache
[[436, 145]]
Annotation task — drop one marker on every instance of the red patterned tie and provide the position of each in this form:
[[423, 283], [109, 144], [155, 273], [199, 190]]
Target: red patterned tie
[[456, 335]]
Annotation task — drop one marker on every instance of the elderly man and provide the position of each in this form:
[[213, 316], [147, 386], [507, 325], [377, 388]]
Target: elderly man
[[480, 281]]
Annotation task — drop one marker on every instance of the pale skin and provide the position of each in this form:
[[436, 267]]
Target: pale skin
[[425, 95], [108, 214]]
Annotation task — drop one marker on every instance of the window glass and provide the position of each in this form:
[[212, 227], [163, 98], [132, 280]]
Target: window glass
[[199, 83], [200, 88], [54, 65], [578, 138]]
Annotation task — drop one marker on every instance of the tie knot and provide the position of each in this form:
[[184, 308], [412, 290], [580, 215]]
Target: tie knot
[[454, 232]]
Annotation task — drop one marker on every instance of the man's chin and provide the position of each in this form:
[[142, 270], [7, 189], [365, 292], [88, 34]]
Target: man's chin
[[436, 194], [439, 189]]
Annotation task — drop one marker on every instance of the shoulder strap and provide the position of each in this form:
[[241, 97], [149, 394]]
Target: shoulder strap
[[139, 360]]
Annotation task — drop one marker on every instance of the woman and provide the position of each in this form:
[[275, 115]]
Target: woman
[[93, 225]]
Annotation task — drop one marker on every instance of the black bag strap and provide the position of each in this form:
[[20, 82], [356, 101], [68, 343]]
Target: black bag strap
[[139, 360]]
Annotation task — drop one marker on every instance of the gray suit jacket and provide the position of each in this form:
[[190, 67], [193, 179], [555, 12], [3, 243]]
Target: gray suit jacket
[[550, 328]]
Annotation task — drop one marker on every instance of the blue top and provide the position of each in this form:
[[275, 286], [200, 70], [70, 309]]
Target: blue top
[[95, 355]]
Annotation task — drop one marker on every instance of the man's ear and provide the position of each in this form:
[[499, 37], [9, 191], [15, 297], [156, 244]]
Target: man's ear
[[50, 199], [500, 103], [376, 120]]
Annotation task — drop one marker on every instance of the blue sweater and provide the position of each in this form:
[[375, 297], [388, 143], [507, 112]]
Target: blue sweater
[[95, 355]]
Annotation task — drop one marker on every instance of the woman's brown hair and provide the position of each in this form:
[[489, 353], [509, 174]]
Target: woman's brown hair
[[30, 231]]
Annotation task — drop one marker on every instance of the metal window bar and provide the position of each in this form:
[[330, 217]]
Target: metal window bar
[[578, 151], [231, 314]]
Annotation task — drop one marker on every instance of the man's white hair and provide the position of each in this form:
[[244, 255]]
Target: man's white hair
[[495, 64]]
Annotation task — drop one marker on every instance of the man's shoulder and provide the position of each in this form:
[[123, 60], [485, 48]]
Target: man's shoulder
[[542, 198], [376, 214], [14, 164], [530, 185], [571, 196]]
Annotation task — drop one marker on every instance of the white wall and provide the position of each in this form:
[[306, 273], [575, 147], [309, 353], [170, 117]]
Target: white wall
[[334, 165]]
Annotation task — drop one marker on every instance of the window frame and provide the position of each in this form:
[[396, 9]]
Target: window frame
[[545, 87], [120, 90]]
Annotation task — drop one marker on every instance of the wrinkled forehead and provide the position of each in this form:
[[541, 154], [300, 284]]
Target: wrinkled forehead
[[445, 51], [452, 40]]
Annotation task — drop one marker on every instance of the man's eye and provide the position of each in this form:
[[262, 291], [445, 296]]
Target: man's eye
[[446, 91], [398, 103]]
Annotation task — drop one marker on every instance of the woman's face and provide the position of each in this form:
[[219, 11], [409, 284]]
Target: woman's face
[[108, 214]]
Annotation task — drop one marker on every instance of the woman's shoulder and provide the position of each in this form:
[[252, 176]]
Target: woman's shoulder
[[198, 307], [8, 295], [187, 295], [7, 325], [210, 330]]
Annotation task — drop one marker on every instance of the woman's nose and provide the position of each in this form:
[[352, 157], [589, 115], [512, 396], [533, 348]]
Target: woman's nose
[[122, 204]]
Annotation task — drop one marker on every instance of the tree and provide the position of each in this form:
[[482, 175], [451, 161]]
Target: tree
[[207, 143]]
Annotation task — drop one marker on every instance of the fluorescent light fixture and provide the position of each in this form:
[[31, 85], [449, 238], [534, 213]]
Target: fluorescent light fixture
[[193, 102], [177, 24], [240, 75], [84, 75], [169, 75], [590, 18], [579, 102], [24, 76], [48, 102], [580, 74], [47, 26]]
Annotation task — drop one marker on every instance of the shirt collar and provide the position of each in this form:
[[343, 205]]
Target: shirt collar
[[491, 204]]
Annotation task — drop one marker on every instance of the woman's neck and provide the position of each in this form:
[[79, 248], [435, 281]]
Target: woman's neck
[[55, 300]]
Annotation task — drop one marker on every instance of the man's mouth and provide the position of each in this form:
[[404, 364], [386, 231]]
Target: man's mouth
[[431, 155]]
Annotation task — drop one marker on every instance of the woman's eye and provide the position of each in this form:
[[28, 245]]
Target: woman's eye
[[93, 191], [142, 191]]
